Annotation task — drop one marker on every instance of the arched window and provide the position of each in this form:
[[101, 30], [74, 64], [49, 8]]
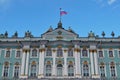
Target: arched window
[[16, 70], [34, 53], [102, 70], [84, 53], [49, 52], [6, 69], [48, 69], [112, 69], [59, 69], [70, 52], [59, 52], [70, 70], [33, 69], [85, 69]]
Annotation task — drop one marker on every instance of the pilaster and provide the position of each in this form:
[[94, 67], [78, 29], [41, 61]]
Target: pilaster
[[92, 63], [65, 63], [27, 63], [54, 66]]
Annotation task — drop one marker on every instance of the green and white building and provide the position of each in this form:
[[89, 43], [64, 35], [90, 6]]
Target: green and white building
[[59, 54]]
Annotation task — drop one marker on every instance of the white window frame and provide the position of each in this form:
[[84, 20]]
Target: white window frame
[[3, 69], [14, 70], [6, 52], [88, 67], [68, 54], [119, 53], [104, 68], [37, 67], [62, 52], [110, 69], [16, 53], [31, 53], [87, 53], [45, 70], [46, 52], [112, 52], [0, 52], [102, 52]]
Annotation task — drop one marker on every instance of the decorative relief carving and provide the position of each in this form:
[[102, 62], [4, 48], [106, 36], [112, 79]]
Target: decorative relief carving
[[65, 50], [54, 50], [77, 50], [42, 50]]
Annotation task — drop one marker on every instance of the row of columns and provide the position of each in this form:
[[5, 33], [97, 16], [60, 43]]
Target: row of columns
[[25, 63], [94, 64]]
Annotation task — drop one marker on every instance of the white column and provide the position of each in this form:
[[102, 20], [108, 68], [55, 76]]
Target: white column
[[27, 63], [54, 67], [77, 63], [39, 74], [92, 63], [65, 62], [23, 64], [41, 63], [96, 64]]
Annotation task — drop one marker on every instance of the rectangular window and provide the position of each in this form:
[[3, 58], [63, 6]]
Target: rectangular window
[[59, 52], [34, 53], [110, 53], [7, 54], [100, 54], [49, 52], [84, 53], [119, 54], [70, 53], [18, 54]]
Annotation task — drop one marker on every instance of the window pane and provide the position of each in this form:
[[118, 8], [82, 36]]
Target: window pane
[[70, 70], [100, 53], [34, 53], [110, 53], [5, 73], [48, 70], [85, 70], [33, 71], [49, 52], [16, 71], [102, 70], [84, 53], [18, 54], [7, 54], [59, 53], [70, 52]]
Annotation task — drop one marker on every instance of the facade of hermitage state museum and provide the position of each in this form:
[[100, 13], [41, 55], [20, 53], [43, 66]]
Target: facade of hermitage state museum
[[59, 54]]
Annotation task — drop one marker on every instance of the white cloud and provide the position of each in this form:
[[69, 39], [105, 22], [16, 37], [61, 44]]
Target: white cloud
[[110, 2]]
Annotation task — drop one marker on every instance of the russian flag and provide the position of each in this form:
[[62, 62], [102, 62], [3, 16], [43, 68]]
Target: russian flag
[[62, 12]]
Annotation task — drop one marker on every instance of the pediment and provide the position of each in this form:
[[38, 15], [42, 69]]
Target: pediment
[[59, 34]]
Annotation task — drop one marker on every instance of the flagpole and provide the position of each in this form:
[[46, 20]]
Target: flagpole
[[60, 14]]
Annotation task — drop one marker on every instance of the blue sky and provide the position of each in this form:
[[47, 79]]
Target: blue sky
[[38, 15]]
